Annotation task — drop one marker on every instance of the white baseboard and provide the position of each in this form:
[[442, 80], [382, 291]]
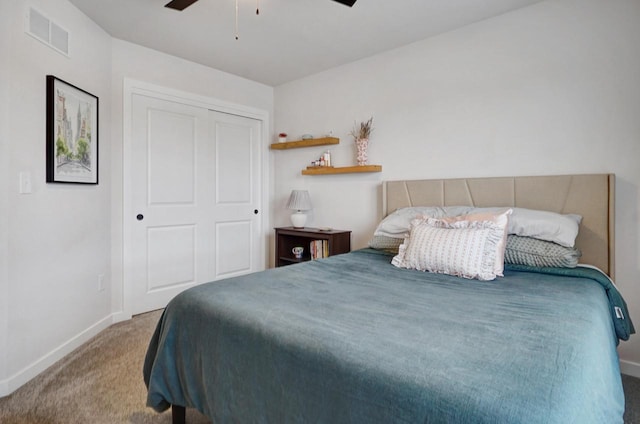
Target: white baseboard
[[120, 316], [4, 388], [14, 382], [630, 368]]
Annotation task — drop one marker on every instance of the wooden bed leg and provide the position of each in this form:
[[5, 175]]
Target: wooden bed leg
[[178, 414]]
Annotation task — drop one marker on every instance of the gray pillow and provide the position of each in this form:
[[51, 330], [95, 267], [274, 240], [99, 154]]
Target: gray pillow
[[388, 244], [540, 253], [519, 250]]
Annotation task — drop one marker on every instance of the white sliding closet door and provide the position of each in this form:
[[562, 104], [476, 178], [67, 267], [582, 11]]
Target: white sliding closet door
[[195, 196], [237, 193]]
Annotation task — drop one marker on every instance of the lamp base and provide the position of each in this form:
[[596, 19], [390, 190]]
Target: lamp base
[[298, 219]]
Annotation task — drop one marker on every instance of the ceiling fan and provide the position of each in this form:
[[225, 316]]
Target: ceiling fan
[[183, 4]]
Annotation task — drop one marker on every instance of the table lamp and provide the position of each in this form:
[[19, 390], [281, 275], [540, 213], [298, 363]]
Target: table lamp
[[299, 201]]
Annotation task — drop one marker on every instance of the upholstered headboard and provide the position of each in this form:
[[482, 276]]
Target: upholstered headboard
[[591, 196]]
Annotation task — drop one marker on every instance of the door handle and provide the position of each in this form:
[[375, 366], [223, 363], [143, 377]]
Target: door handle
[[139, 217], [255, 211]]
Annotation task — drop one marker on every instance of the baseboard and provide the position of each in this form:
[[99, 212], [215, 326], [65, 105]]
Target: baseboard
[[14, 382], [120, 316], [4, 388], [630, 368]]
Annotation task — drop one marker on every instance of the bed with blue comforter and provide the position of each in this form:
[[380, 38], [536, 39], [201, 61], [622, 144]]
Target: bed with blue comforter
[[353, 339]]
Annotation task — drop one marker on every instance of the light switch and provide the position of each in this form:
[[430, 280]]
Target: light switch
[[25, 182]]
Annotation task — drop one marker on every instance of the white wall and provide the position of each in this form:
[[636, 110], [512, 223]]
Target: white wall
[[55, 241], [550, 89], [4, 176], [139, 63]]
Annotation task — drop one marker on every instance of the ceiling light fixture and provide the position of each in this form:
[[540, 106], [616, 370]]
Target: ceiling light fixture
[[183, 4], [257, 13]]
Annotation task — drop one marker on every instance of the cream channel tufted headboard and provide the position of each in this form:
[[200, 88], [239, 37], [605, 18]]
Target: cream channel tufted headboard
[[591, 195]]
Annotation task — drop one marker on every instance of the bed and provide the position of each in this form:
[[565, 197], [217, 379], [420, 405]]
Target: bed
[[354, 339]]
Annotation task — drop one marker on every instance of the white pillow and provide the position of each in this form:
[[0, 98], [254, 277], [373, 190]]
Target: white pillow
[[464, 248], [542, 225], [397, 223]]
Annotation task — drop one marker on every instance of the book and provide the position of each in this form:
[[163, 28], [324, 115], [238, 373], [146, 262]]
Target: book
[[319, 249]]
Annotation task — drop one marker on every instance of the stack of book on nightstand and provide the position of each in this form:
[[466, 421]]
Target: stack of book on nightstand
[[319, 249]]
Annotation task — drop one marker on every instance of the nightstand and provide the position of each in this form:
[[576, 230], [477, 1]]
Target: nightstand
[[328, 243]]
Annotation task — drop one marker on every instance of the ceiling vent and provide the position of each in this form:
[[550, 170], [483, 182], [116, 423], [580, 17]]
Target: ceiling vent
[[43, 29]]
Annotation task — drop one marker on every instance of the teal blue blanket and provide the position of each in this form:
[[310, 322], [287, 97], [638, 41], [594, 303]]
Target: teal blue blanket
[[352, 339]]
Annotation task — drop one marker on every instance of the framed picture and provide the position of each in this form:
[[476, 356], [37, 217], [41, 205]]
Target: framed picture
[[72, 134]]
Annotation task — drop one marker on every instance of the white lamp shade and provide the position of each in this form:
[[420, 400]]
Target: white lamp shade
[[299, 200]]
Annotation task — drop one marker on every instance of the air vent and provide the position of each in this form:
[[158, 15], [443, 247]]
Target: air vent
[[44, 29]]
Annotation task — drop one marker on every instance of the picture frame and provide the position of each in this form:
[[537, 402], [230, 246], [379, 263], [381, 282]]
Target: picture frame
[[72, 133]]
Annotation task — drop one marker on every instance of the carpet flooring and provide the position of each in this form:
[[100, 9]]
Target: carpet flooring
[[101, 383]]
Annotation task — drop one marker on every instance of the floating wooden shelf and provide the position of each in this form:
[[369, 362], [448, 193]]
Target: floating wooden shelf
[[328, 170], [305, 143]]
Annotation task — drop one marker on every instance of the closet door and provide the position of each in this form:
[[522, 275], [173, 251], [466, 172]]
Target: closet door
[[236, 194], [195, 199]]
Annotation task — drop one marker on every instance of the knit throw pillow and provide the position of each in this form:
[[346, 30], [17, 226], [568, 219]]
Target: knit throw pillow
[[463, 248]]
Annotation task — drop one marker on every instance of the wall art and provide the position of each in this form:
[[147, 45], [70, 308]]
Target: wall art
[[72, 133]]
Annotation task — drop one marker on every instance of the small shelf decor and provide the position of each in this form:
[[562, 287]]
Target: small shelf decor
[[305, 143], [364, 129], [361, 134]]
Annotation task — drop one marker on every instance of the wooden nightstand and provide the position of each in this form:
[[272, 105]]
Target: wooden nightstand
[[338, 241]]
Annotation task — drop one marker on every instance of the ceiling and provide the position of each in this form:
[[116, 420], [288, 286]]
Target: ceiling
[[289, 39]]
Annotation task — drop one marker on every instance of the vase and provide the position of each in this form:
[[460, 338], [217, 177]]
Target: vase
[[362, 146]]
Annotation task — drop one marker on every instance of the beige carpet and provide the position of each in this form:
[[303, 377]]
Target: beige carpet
[[101, 382]]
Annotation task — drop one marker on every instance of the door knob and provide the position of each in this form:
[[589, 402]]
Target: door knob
[[139, 217], [255, 211]]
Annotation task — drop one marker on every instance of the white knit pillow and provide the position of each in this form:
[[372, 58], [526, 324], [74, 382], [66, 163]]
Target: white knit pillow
[[463, 248], [502, 220]]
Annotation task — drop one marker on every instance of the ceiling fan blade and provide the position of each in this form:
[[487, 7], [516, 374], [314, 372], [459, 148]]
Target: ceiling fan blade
[[179, 4], [346, 2]]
